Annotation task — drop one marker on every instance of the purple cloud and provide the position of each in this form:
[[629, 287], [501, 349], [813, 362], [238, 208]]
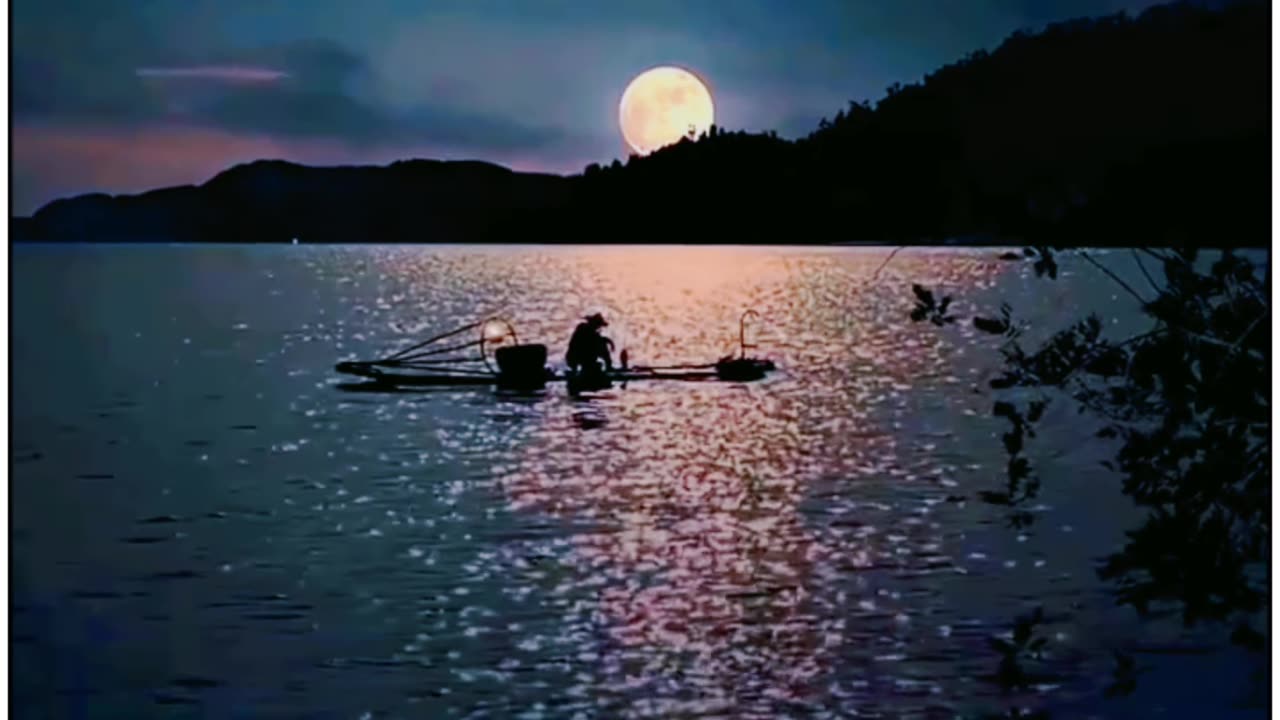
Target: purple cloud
[[221, 73]]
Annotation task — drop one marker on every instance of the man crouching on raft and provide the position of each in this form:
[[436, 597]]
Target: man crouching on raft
[[587, 347]]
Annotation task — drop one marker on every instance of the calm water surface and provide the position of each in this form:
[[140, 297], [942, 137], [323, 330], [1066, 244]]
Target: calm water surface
[[205, 525]]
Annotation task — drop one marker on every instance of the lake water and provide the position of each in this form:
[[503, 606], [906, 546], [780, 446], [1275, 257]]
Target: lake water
[[205, 525]]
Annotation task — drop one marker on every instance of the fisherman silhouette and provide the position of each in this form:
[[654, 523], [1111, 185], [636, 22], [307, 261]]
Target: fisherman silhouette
[[588, 348]]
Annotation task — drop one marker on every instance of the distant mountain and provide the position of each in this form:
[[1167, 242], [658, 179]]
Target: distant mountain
[[275, 201], [1115, 130]]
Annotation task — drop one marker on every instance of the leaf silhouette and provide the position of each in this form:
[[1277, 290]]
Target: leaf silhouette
[[1036, 410], [994, 498], [987, 325]]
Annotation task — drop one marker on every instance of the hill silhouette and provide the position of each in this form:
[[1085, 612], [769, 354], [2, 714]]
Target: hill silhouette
[[276, 201], [1141, 130]]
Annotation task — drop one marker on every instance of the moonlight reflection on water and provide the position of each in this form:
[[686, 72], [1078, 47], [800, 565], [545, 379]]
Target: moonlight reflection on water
[[189, 484], [714, 589]]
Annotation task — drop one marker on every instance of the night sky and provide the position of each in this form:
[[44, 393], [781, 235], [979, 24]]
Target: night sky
[[120, 96]]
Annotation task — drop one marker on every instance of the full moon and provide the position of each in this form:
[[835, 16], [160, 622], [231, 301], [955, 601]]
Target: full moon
[[663, 105]]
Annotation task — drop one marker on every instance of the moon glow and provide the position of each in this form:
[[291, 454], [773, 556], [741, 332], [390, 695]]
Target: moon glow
[[663, 105]]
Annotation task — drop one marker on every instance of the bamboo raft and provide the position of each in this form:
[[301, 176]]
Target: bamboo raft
[[514, 365]]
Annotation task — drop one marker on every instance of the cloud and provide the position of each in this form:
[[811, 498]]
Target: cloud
[[306, 90], [231, 74], [316, 64]]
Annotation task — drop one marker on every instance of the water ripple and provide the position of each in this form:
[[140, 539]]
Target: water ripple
[[800, 546]]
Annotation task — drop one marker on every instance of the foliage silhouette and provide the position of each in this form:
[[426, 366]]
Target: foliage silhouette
[[1022, 646], [1188, 404], [928, 308], [1125, 676]]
